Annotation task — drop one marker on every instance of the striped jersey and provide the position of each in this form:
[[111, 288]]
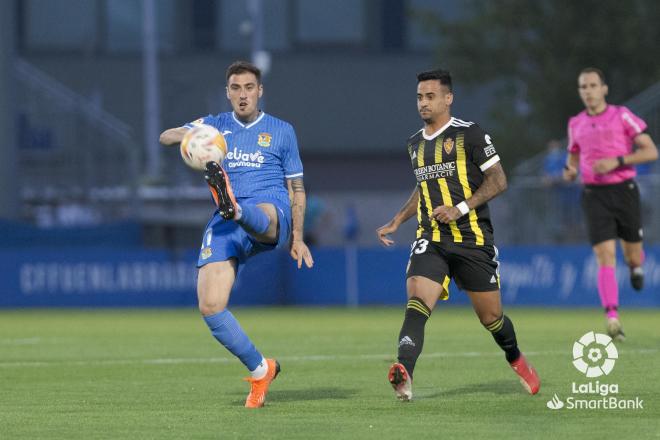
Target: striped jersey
[[449, 166], [260, 155]]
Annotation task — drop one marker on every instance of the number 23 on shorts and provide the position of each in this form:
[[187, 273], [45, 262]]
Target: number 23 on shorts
[[419, 246]]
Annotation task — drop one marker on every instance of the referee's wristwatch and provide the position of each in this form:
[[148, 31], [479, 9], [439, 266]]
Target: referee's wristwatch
[[620, 160]]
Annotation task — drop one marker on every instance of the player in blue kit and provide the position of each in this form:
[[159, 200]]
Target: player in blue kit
[[260, 196]]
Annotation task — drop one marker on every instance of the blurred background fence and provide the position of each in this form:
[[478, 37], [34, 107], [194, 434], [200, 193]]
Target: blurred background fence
[[63, 183]]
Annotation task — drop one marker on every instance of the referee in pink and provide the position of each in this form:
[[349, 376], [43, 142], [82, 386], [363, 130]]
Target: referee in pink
[[605, 142]]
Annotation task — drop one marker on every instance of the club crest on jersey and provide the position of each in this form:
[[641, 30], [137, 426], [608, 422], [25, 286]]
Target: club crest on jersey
[[264, 139], [448, 145]]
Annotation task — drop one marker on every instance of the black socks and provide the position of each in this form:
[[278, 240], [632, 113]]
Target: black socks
[[505, 336], [411, 337]]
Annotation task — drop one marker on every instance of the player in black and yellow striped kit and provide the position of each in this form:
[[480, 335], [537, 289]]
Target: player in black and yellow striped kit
[[457, 170]]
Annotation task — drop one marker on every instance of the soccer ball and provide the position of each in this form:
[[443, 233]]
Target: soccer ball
[[203, 144]]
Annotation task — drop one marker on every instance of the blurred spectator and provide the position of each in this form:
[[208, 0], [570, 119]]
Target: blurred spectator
[[72, 214], [553, 163], [314, 213], [352, 224], [561, 197], [645, 179]]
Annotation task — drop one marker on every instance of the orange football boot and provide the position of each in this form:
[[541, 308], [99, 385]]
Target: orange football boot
[[259, 387], [218, 183]]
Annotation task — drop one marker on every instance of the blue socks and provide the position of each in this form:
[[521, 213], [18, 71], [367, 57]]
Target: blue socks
[[253, 219], [226, 329]]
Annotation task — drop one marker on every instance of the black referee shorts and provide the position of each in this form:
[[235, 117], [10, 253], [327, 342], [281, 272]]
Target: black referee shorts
[[613, 211], [473, 268]]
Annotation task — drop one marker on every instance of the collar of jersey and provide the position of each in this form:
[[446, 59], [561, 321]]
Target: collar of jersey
[[607, 109], [233, 115], [440, 130]]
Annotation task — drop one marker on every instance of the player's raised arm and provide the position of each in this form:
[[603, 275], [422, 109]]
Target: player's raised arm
[[173, 136], [407, 210], [299, 250]]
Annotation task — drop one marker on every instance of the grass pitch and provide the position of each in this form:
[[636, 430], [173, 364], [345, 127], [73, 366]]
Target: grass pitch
[[144, 374]]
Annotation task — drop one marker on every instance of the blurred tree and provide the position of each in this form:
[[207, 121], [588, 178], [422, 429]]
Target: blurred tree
[[531, 53]]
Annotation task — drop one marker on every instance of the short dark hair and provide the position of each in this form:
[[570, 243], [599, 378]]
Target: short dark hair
[[595, 70], [238, 67], [439, 75]]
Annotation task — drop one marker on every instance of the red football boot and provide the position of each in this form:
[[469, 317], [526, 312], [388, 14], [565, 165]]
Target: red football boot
[[529, 378]]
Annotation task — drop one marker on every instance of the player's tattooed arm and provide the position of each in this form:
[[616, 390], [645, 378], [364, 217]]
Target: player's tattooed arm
[[407, 210], [172, 136], [493, 184], [299, 250], [297, 185], [298, 203]]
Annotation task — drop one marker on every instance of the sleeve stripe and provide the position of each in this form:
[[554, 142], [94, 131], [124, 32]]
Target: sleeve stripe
[[489, 163], [291, 176], [626, 117]]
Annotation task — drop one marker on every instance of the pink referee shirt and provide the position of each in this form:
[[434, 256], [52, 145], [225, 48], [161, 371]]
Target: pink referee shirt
[[608, 134]]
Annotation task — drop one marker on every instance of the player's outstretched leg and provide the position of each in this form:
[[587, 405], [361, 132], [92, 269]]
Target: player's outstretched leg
[[505, 336], [226, 329], [214, 285], [252, 218], [411, 342]]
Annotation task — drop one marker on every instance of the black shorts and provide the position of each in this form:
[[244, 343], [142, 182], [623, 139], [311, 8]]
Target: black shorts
[[473, 268], [613, 211]]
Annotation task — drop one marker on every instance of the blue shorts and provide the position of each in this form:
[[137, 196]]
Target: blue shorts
[[225, 239]]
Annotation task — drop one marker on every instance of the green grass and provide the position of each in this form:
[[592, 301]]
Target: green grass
[[159, 374]]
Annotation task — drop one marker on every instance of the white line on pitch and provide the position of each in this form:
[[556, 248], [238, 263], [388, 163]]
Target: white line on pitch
[[20, 341], [308, 358]]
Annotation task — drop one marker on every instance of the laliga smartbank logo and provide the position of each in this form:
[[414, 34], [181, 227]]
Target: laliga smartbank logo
[[594, 355]]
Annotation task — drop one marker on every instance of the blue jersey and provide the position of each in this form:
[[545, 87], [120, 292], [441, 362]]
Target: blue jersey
[[260, 155]]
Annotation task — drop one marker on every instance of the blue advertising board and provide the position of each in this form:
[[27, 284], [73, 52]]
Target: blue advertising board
[[129, 276]]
